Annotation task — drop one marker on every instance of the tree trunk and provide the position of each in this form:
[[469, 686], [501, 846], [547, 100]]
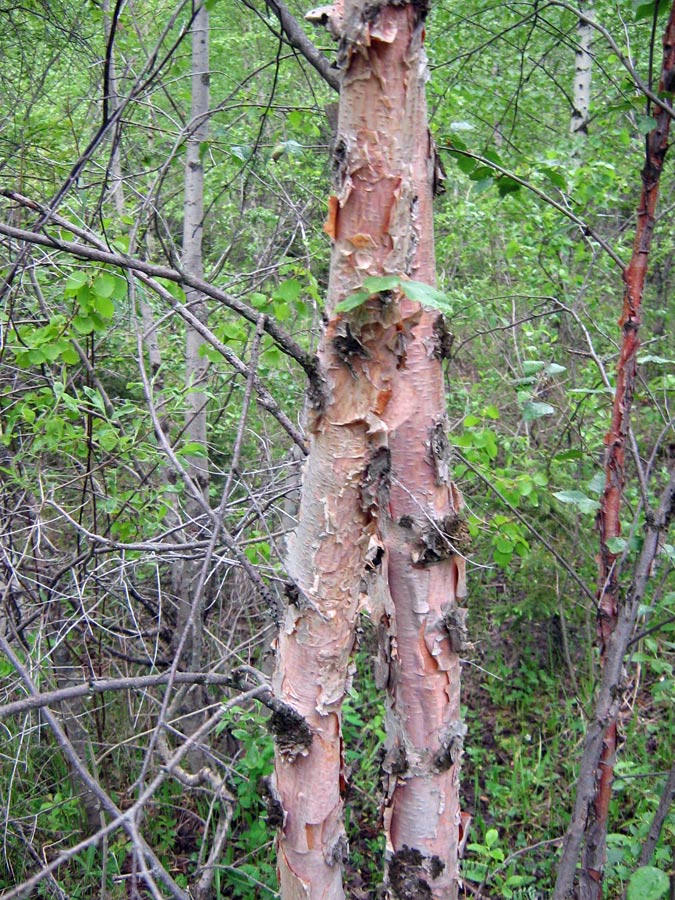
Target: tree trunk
[[583, 72], [378, 520], [190, 603], [596, 806]]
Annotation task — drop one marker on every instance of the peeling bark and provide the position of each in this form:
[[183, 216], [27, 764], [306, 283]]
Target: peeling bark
[[378, 509]]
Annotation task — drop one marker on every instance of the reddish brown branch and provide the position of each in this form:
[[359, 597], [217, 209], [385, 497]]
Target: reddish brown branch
[[608, 521]]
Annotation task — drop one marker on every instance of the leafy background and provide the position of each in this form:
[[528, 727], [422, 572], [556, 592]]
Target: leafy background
[[92, 504]]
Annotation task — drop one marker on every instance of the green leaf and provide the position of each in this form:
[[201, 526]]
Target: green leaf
[[502, 559], [531, 366], [288, 290], [597, 483], [455, 143], [568, 454], [75, 281], [494, 157], [583, 503], [669, 551], [461, 126], [657, 360], [352, 302], [281, 311], [464, 163], [519, 880], [107, 439], [104, 285], [647, 883], [229, 331], [504, 545], [646, 10], [69, 356], [427, 295], [506, 185], [242, 153], [83, 324], [104, 306], [120, 290], [83, 297], [555, 177], [481, 172], [645, 124], [554, 369], [258, 300], [378, 283], [192, 448], [616, 544], [534, 409]]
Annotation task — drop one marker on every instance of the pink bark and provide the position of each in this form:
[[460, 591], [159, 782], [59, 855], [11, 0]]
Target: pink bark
[[378, 510]]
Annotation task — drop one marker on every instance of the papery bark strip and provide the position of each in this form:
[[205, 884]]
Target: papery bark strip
[[378, 510]]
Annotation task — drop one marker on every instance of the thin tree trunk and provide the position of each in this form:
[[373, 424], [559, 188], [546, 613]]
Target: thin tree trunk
[[378, 520], [583, 72], [595, 830], [665, 803], [608, 701], [196, 364]]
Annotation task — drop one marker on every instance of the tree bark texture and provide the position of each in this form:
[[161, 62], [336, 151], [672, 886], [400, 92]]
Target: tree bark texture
[[379, 520], [583, 73], [634, 276]]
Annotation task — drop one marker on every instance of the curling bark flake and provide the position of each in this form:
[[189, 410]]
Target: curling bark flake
[[596, 803], [380, 523], [583, 71]]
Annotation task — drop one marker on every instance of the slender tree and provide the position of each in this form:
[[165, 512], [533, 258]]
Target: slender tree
[[379, 521], [594, 805], [189, 599]]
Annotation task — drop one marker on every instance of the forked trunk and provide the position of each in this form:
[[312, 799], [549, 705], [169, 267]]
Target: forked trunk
[[379, 521]]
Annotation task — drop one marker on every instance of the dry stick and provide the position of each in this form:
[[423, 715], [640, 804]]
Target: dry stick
[[609, 698], [104, 685], [608, 520]]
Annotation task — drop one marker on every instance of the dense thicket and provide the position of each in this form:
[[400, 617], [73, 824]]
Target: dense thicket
[[102, 508]]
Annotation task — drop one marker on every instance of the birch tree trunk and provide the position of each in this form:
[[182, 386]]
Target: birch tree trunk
[[583, 72], [379, 521]]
